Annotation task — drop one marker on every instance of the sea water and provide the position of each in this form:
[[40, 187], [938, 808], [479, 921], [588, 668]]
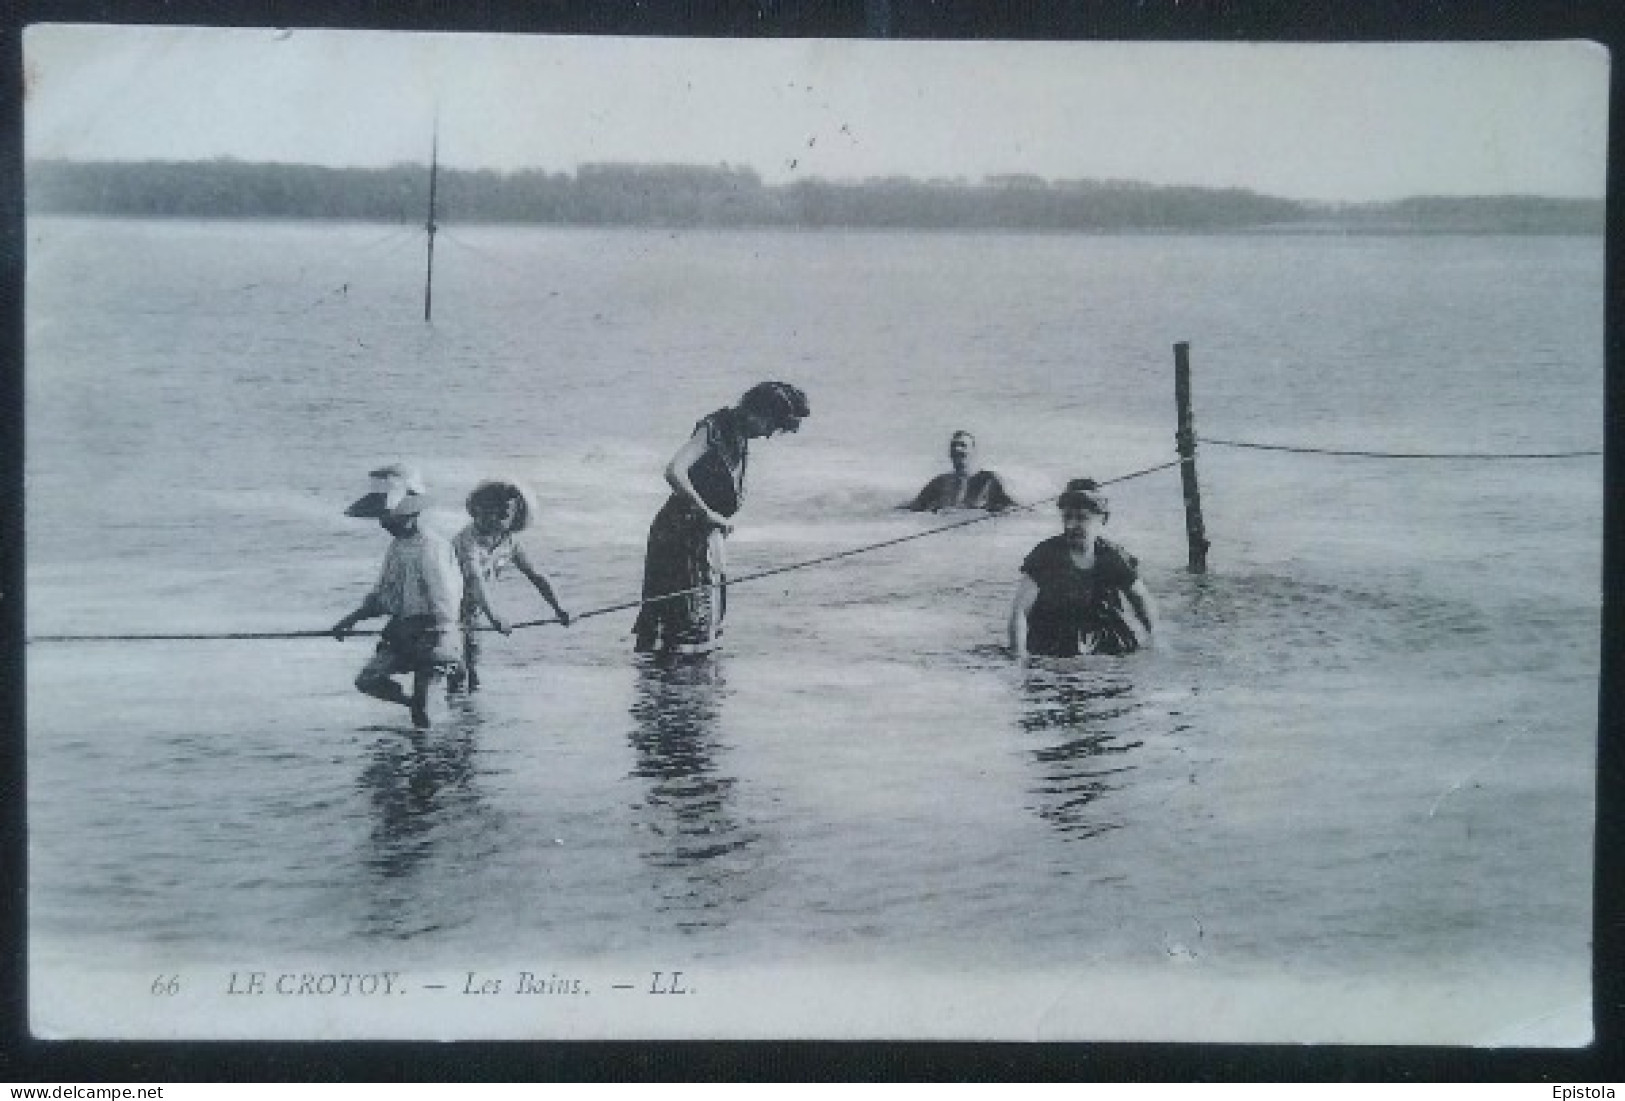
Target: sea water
[[1363, 753]]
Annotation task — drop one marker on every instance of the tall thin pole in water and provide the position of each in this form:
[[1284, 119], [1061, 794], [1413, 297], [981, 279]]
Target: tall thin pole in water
[[434, 171], [878, 18], [1195, 530]]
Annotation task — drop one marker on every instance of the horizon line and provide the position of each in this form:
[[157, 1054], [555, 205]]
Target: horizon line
[[727, 166]]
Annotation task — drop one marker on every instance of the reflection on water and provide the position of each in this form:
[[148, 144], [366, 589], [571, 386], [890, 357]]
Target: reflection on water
[[1081, 756], [428, 820], [693, 842]]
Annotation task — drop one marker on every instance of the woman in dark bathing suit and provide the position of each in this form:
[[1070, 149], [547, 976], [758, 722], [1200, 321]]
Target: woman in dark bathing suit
[[1080, 593], [686, 549]]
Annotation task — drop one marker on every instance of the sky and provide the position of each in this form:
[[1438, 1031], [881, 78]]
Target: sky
[[1334, 122]]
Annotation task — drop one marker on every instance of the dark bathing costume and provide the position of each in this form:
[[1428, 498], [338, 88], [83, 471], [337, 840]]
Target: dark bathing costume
[[1081, 611], [679, 553], [980, 490]]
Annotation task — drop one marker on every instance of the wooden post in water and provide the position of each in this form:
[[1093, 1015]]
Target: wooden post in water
[[434, 170], [878, 18], [1195, 532]]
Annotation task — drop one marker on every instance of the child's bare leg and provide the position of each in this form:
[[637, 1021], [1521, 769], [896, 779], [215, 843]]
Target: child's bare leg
[[423, 679], [380, 687], [471, 655], [454, 678], [463, 677]]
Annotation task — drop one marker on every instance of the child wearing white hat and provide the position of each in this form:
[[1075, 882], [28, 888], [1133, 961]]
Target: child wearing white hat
[[420, 588]]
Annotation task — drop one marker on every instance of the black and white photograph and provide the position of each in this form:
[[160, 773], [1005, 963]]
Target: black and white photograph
[[571, 537]]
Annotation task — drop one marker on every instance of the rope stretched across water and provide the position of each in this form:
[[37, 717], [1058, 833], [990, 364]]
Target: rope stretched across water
[[624, 605], [837, 555], [1402, 454]]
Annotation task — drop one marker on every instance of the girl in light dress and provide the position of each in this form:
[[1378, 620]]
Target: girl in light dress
[[486, 548]]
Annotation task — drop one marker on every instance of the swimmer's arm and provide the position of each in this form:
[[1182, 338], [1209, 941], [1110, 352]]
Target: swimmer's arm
[[1020, 608], [1145, 608], [677, 477], [998, 498], [370, 607], [925, 500], [522, 563]]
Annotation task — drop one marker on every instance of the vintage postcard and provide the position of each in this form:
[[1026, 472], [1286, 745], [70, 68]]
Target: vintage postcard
[[554, 538]]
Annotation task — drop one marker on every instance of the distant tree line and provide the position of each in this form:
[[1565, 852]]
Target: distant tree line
[[696, 195]]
